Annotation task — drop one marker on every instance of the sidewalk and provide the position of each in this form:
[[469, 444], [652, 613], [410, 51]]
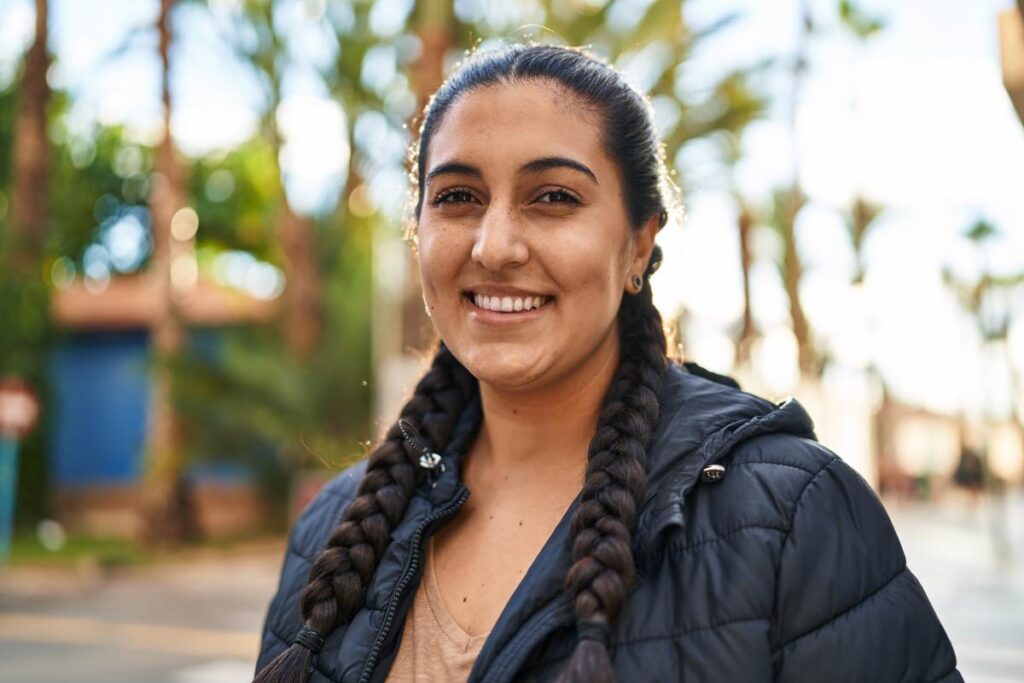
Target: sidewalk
[[195, 620], [977, 592]]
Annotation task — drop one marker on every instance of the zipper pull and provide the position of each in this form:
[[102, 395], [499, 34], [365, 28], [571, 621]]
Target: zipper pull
[[428, 460]]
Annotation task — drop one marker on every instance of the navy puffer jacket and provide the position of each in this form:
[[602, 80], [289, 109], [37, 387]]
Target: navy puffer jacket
[[787, 568]]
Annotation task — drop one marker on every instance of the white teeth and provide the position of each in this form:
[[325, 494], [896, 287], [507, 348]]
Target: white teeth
[[508, 304]]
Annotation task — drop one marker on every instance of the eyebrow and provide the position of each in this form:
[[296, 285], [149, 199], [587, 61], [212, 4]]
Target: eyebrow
[[535, 166]]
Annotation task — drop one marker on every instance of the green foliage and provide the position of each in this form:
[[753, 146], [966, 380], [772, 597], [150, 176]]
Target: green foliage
[[25, 329], [252, 393], [91, 188], [857, 21], [236, 197], [76, 551]]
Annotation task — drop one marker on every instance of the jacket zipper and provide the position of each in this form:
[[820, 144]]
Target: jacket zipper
[[403, 583]]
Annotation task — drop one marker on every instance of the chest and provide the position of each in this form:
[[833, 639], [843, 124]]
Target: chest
[[482, 555]]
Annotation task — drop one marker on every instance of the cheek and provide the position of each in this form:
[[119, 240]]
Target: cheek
[[440, 256], [591, 269]]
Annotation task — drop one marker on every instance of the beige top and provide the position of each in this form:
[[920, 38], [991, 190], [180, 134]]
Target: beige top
[[433, 647]]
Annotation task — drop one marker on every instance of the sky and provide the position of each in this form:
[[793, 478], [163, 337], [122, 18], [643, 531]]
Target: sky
[[915, 119]]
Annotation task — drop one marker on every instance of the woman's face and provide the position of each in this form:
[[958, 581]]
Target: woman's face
[[524, 244]]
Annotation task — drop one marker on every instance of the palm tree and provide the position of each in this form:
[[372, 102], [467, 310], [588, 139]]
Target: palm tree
[[740, 96], [167, 515], [786, 206], [987, 301], [862, 213], [24, 295], [29, 203], [265, 51]]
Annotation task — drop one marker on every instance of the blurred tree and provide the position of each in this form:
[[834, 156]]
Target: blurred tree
[[987, 297], [857, 21], [27, 211], [305, 395], [991, 301], [860, 218], [25, 222], [862, 213], [787, 203], [745, 220], [234, 194], [785, 206], [29, 205], [167, 514], [257, 39]]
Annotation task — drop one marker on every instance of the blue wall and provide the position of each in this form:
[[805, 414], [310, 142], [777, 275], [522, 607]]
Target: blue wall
[[100, 394]]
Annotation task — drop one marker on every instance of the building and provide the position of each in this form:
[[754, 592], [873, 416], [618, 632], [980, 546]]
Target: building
[[100, 373]]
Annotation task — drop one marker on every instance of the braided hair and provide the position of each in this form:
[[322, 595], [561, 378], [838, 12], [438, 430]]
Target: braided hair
[[343, 569], [603, 566]]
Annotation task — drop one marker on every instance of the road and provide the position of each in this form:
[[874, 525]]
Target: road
[[197, 621], [194, 621]]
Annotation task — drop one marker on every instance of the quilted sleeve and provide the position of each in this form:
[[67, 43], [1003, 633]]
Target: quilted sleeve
[[307, 537], [847, 608]]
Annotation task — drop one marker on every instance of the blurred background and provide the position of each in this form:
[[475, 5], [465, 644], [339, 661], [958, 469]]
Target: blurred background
[[207, 308]]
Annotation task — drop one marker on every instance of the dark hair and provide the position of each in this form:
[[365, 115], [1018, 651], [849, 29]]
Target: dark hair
[[603, 566]]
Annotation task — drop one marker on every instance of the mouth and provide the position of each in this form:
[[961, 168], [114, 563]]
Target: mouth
[[507, 305]]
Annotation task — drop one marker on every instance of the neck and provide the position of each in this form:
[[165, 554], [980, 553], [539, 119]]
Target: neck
[[547, 428]]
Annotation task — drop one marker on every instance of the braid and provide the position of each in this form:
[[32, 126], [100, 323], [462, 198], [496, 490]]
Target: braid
[[342, 571], [616, 479]]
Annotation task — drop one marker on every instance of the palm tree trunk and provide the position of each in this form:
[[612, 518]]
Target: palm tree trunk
[[304, 290], [167, 516], [303, 295], [794, 200], [744, 225], [31, 148], [793, 275]]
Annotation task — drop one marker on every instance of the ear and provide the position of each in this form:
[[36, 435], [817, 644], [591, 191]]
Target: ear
[[643, 245]]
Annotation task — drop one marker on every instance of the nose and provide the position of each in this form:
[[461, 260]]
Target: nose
[[499, 240]]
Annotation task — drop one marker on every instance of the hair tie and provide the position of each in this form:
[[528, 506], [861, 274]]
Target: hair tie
[[309, 638], [593, 630]]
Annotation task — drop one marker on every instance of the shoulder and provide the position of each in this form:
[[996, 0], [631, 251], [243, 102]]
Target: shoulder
[[310, 530], [307, 537], [768, 480]]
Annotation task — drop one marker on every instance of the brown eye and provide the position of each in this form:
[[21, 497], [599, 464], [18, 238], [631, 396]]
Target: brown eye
[[452, 196], [557, 197]]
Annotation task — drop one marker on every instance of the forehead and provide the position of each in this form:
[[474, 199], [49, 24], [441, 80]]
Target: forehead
[[499, 127]]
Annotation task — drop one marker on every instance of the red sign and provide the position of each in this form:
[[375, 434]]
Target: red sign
[[18, 408]]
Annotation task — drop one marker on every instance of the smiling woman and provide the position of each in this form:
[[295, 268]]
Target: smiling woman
[[604, 539]]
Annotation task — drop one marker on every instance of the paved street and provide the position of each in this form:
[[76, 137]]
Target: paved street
[[186, 622], [977, 592], [197, 621]]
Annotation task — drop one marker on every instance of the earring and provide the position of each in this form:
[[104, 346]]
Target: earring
[[638, 283]]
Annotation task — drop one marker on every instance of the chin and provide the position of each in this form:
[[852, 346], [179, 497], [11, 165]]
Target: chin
[[501, 367]]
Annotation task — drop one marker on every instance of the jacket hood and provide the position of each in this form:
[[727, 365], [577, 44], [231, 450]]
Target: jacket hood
[[704, 416]]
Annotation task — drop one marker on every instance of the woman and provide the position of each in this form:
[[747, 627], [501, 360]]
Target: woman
[[631, 519]]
